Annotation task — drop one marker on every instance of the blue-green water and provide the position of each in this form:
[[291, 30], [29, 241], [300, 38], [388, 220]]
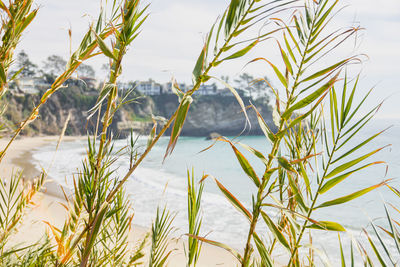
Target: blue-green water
[[157, 183]]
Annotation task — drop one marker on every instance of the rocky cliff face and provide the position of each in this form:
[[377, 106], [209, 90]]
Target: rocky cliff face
[[53, 114], [221, 114], [208, 114]]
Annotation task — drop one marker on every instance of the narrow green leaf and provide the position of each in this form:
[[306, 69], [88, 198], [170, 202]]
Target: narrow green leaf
[[27, 20], [334, 181], [325, 71], [255, 152], [227, 48], [358, 107], [297, 194], [16, 74], [287, 28], [46, 95], [301, 118], [218, 32], [383, 245], [235, 202], [221, 245], [320, 22], [3, 76], [242, 52], [358, 146], [350, 101], [392, 228], [350, 164], [343, 261], [198, 68], [335, 106], [245, 164], [298, 28], [182, 112], [332, 116], [361, 122], [310, 98], [262, 250], [236, 33], [377, 253], [342, 108], [209, 36], [152, 134], [352, 196], [286, 164], [3, 6], [286, 60], [329, 226], [308, 16], [99, 21], [264, 127], [289, 49], [96, 227], [233, 15], [104, 48], [305, 177], [351, 254], [275, 230], [279, 74]]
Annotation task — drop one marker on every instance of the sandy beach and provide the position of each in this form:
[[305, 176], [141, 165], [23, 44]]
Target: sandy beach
[[48, 206]]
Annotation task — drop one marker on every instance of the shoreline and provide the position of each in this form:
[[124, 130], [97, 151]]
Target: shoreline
[[48, 205]]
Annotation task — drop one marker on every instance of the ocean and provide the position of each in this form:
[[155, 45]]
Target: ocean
[[156, 183]]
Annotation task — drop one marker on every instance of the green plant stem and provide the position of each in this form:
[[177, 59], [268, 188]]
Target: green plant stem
[[303, 228], [257, 207], [100, 157], [106, 124]]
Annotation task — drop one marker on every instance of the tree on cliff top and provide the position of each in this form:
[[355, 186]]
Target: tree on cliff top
[[54, 65], [27, 67]]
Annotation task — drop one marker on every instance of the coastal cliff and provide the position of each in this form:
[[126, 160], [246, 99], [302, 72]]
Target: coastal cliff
[[208, 114], [221, 114]]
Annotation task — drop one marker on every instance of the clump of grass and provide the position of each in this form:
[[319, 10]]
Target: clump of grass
[[15, 198], [160, 238], [194, 197]]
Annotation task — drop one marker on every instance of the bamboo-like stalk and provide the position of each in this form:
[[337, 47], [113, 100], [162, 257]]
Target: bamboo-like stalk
[[273, 153], [303, 228], [93, 219], [314, 22]]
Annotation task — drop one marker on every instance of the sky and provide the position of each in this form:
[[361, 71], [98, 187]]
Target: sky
[[173, 35]]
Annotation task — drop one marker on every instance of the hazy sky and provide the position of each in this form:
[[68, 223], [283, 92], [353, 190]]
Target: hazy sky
[[173, 36]]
